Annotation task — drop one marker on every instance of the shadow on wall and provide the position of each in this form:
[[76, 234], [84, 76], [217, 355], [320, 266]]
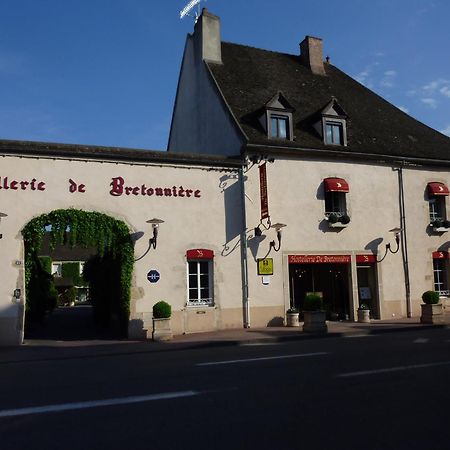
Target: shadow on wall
[[231, 189], [373, 245]]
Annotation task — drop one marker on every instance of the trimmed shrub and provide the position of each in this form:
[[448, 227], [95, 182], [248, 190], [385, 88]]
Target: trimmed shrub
[[313, 302], [345, 219], [162, 310], [430, 297], [333, 218]]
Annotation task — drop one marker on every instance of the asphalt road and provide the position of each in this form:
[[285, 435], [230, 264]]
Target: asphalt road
[[388, 391]]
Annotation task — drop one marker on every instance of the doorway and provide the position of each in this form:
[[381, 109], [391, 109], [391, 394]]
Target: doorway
[[330, 281], [367, 288]]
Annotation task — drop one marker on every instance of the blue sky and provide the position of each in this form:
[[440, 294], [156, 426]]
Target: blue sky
[[104, 72]]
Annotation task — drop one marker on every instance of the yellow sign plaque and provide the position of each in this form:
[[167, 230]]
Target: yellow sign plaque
[[265, 266]]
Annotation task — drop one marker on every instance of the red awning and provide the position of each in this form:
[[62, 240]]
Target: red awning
[[200, 253], [335, 185], [436, 188], [440, 255]]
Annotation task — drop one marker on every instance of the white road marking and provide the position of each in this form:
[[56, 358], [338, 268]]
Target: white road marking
[[95, 404], [267, 358], [259, 344], [392, 369], [421, 341]]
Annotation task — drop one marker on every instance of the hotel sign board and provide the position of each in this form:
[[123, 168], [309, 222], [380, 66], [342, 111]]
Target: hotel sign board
[[319, 259], [265, 266]]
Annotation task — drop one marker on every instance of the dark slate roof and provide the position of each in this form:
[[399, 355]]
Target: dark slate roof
[[100, 153], [250, 77]]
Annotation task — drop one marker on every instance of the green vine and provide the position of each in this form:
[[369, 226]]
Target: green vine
[[110, 236]]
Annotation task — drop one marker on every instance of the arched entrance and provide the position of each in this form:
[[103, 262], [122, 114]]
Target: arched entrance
[[106, 275]]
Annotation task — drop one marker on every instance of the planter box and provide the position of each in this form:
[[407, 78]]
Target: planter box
[[162, 330], [363, 315], [314, 322], [292, 320], [432, 314]]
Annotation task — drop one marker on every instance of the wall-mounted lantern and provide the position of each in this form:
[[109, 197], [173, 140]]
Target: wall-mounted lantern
[[396, 232], [155, 225]]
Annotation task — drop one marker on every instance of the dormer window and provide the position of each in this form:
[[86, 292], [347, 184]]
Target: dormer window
[[279, 126], [332, 125], [334, 133], [277, 118]]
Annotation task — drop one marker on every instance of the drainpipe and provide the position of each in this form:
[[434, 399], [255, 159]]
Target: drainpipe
[[244, 261], [404, 242]]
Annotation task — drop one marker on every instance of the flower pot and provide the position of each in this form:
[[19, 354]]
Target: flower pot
[[292, 320], [432, 314], [364, 315], [315, 322], [162, 330]]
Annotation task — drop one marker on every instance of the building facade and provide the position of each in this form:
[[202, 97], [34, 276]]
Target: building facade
[[195, 266], [333, 161], [283, 176]]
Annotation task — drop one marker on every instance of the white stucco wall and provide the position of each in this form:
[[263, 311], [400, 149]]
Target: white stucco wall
[[201, 122], [196, 222], [296, 198]]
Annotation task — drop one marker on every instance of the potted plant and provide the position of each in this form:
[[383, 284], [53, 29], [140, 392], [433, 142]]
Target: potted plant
[[432, 310], [313, 314], [162, 312], [292, 317], [364, 313]]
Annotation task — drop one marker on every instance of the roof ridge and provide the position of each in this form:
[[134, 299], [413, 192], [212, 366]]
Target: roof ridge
[[261, 49]]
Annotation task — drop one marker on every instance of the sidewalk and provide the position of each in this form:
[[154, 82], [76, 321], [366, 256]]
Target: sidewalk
[[280, 334], [48, 350]]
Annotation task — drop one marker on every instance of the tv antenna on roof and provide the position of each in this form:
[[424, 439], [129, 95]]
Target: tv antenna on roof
[[188, 9]]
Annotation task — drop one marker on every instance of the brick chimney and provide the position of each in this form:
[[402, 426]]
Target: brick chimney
[[311, 54], [207, 37]]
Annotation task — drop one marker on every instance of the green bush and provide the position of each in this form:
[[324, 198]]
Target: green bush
[[162, 310], [333, 218], [430, 297], [313, 302]]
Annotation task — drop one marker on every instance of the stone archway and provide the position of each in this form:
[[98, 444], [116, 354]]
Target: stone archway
[[109, 272]]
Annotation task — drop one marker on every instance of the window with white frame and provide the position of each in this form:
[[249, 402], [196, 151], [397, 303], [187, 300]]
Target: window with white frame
[[437, 209], [200, 282], [57, 269], [440, 268]]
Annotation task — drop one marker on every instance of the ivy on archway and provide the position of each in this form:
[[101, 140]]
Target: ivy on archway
[[76, 227]]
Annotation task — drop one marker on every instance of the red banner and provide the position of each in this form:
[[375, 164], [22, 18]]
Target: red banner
[[263, 191], [319, 259]]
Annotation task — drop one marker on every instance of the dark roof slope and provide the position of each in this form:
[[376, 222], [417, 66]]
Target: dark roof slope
[[250, 77]]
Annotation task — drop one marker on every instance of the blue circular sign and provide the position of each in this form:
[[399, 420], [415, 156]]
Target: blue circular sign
[[153, 276]]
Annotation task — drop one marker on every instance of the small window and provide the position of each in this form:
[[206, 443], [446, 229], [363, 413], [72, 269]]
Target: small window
[[437, 209], [440, 267], [57, 269], [335, 202], [279, 127], [334, 133], [200, 292]]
